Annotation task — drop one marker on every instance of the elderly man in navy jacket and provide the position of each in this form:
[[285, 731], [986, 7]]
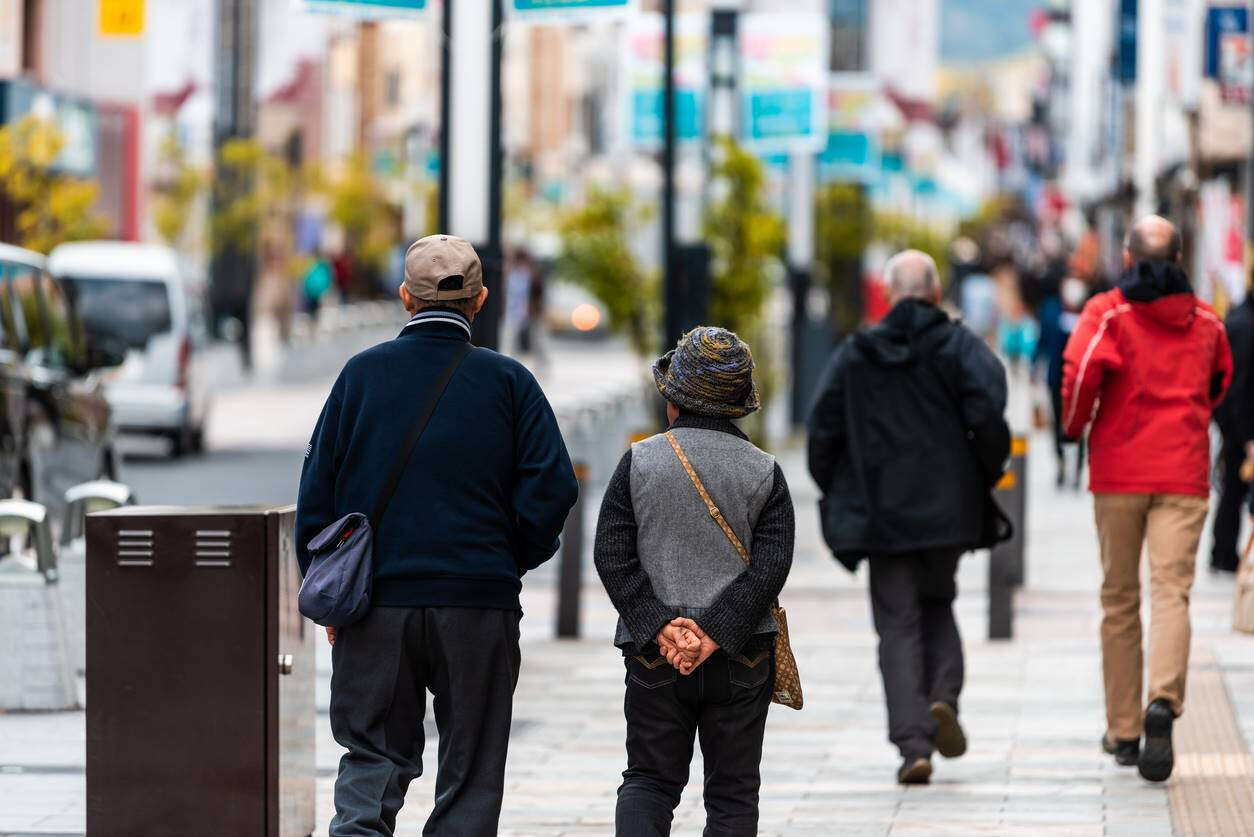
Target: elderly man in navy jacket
[[482, 500]]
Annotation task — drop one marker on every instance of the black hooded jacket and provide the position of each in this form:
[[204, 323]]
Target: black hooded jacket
[[907, 436]]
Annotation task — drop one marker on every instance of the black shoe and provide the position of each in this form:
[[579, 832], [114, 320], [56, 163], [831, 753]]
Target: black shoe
[[915, 770], [1157, 758], [1125, 751], [950, 741]]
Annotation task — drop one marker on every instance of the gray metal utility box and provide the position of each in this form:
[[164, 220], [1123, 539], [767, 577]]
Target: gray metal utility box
[[200, 675]]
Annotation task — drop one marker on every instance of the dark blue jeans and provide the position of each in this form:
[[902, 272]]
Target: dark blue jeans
[[725, 703]]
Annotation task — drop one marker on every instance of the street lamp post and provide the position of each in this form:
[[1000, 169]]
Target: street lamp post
[[470, 144], [673, 326], [235, 44]]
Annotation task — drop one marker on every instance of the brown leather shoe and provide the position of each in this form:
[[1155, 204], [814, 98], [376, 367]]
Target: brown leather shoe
[[950, 740], [1126, 753], [915, 770]]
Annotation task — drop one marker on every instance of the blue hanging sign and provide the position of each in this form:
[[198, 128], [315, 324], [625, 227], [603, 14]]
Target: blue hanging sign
[[783, 81]]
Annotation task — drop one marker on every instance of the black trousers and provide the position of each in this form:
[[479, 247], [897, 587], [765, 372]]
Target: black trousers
[[921, 660], [383, 667], [724, 702], [1227, 525]]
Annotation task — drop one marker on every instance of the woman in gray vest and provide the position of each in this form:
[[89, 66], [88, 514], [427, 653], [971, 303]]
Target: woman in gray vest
[[694, 622]]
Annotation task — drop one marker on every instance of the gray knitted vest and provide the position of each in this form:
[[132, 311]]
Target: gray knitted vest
[[682, 549]]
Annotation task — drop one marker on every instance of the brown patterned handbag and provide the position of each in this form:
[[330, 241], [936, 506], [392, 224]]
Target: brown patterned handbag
[[786, 690]]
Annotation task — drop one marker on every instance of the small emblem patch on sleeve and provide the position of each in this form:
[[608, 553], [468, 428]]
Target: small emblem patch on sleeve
[[308, 449]]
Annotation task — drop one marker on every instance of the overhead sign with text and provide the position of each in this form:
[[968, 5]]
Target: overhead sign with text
[[783, 81]]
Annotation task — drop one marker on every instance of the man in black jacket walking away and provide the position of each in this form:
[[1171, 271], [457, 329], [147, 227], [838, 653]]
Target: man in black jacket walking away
[[907, 437], [481, 501]]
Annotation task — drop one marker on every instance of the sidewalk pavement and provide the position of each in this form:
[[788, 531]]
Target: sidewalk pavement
[[1032, 707]]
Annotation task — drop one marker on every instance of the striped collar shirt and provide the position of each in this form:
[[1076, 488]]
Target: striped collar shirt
[[440, 315]]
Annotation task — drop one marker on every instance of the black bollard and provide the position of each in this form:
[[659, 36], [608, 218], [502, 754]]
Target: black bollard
[[1005, 560], [570, 573]]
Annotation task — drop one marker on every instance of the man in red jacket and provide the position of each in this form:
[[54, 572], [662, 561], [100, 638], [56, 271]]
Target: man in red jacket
[[1146, 365]]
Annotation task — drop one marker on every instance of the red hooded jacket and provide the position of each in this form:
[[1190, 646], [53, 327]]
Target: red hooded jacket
[[1147, 364]]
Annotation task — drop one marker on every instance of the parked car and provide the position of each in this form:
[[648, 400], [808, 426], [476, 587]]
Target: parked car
[[55, 428], [138, 293], [570, 310]]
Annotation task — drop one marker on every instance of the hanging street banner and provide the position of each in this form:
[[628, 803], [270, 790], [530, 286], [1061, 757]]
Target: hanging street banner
[[367, 9], [555, 11], [783, 81], [644, 64], [852, 153]]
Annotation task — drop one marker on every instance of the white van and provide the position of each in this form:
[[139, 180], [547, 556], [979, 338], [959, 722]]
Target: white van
[[136, 293]]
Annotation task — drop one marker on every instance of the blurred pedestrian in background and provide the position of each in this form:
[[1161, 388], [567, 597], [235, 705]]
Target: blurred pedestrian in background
[[518, 279], [1148, 362], [316, 283], [907, 438], [1060, 311], [668, 566], [1235, 418], [482, 501], [274, 293]]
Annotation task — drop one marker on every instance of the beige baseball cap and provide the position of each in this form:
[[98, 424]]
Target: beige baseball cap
[[441, 267]]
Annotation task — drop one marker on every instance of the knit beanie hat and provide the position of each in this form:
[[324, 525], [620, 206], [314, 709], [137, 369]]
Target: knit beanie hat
[[710, 373]]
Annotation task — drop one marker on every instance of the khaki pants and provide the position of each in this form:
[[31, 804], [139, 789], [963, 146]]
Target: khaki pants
[[1170, 525]]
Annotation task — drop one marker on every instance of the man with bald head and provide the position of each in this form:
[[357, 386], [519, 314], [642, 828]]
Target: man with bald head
[[907, 436], [1144, 369]]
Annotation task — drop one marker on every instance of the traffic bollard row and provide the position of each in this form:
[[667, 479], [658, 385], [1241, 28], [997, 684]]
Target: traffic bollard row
[[1006, 568]]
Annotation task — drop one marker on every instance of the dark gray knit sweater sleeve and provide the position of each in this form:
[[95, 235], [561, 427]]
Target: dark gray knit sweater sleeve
[[738, 610], [618, 564]]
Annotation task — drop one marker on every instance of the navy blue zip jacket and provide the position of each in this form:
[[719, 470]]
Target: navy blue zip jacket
[[486, 492]]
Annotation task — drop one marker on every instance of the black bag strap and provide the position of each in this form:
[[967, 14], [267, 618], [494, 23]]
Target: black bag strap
[[420, 424]]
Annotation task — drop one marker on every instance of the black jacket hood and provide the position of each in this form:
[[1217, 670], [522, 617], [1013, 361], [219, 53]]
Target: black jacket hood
[[896, 340], [1153, 279]]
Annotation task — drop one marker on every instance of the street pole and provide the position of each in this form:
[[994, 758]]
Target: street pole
[[800, 271], [235, 46], [1149, 93], [470, 144], [673, 302]]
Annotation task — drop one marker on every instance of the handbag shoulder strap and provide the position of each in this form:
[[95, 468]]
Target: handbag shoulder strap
[[705, 497], [419, 425]]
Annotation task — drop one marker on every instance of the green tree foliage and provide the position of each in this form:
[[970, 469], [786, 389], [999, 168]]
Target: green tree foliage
[[51, 207], [595, 256], [361, 208], [178, 190], [844, 225], [745, 237], [250, 183]]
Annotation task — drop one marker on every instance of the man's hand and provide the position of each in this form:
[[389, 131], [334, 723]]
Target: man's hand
[[687, 665], [678, 643], [331, 635]]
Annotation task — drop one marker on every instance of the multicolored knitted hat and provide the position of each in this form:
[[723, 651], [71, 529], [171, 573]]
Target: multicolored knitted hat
[[710, 373]]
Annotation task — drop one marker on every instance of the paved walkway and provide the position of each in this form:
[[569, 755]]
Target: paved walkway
[[1032, 707]]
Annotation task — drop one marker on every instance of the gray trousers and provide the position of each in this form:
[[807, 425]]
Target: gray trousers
[[383, 667], [921, 661]]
